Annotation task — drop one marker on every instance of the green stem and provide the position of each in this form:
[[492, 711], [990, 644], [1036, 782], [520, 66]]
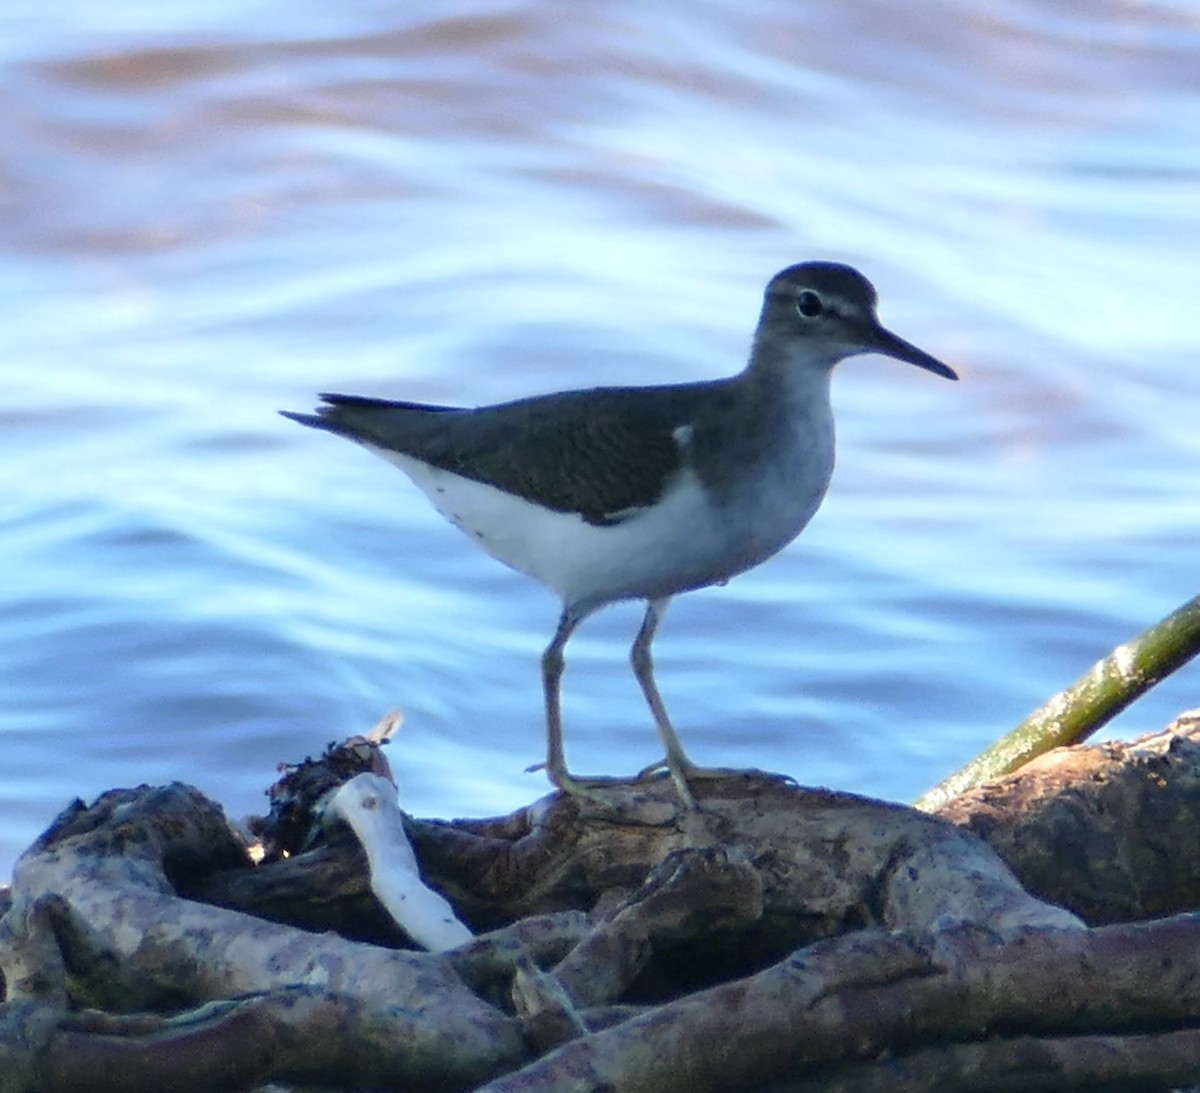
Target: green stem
[[1092, 700]]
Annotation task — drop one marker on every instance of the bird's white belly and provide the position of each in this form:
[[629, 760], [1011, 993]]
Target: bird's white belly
[[677, 544]]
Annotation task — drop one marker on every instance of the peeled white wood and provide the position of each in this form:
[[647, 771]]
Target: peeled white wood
[[369, 805]]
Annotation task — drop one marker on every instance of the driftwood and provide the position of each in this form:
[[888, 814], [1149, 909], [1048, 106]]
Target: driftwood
[[1109, 831], [1040, 934]]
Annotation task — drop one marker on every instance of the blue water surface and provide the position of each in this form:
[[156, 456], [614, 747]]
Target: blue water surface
[[213, 211]]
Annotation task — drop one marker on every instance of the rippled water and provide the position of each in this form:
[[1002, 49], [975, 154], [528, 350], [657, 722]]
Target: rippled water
[[212, 211]]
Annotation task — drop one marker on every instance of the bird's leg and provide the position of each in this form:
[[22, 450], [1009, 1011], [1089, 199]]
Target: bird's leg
[[677, 762], [553, 663]]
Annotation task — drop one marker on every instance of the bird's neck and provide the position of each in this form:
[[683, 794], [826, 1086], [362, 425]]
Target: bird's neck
[[789, 375]]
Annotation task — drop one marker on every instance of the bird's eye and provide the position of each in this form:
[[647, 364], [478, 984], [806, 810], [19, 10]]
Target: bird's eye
[[808, 303]]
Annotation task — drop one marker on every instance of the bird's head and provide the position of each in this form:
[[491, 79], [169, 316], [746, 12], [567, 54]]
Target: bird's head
[[825, 312]]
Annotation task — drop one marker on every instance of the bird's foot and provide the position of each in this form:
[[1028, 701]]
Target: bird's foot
[[582, 789], [656, 770], [592, 789], [684, 773], [686, 770], [680, 772]]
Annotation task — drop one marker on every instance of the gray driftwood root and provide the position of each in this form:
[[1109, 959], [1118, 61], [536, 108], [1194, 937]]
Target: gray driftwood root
[[103, 876]]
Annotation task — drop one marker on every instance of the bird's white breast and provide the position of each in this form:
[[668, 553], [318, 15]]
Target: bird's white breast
[[658, 550]]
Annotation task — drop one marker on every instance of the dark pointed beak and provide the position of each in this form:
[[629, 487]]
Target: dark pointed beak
[[884, 341]]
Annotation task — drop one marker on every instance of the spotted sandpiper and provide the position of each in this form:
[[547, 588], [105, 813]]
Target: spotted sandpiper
[[640, 493]]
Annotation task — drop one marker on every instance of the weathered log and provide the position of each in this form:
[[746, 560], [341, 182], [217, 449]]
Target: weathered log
[[827, 861], [781, 938], [875, 993], [1119, 1063], [103, 874], [1111, 832]]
